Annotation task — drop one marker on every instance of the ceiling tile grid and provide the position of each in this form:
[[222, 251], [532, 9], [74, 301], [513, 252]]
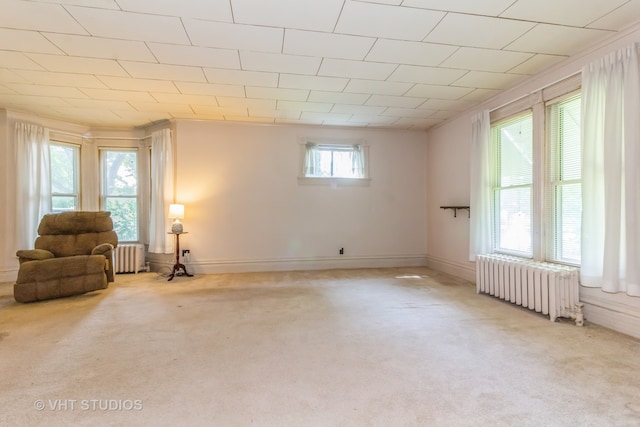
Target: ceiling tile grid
[[407, 64]]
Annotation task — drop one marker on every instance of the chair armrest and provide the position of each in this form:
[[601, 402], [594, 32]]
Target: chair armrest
[[102, 249], [25, 255]]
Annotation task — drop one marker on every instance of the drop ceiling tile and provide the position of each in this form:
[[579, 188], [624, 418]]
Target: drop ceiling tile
[[484, 80], [179, 98], [372, 119], [196, 56], [218, 111], [277, 93], [338, 97], [98, 104], [118, 95], [383, 21], [47, 101], [18, 61], [395, 101], [415, 123], [537, 63], [577, 13], [440, 92], [82, 115], [26, 41], [247, 119], [279, 63], [326, 118], [130, 26], [426, 75], [320, 15], [61, 79], [229, 102], [557, 40], [234, 36], [484, 7], [101, 4], [377, 87], [445, 104], [408, 112], [479, 95], [6, 90], [158, 107], [358, 109], [411, 53], [98, 47], [71, 64], [469, 58], [248, 78], [295, 81], [146, 85], [210, 89], [304, 106], [215, 10], [144, 70], [276, 114], [328, 45], [7, 76], [54, 91], [620, 18], [26, 15], [479, 31], [355, 69], [142, 116]]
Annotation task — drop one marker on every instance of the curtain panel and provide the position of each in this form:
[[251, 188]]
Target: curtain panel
[[33, 181], [162, 192], [481, 187], [611, 173]]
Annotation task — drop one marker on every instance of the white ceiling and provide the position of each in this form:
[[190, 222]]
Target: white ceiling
[[378, 63]]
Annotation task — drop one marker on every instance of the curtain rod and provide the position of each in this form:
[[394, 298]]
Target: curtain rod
[[81, 135]]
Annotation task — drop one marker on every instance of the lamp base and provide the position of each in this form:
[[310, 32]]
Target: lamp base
[[176, 227]]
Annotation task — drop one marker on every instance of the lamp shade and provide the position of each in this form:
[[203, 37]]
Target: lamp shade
[[176, 211]]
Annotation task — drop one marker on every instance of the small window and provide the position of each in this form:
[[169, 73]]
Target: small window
[[119, 188], [345, 162], [65, 188]]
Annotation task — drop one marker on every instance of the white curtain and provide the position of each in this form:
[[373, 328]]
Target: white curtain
[[33, 181], [357, 160], [611, 173], [481, 222], [161, 192], [311, 160]]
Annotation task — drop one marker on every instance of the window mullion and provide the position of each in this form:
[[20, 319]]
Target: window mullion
[[538, 190]]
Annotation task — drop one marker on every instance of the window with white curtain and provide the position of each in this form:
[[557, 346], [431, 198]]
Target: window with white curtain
[[65, 186], [334, 161], [513, 148], [564, 188]]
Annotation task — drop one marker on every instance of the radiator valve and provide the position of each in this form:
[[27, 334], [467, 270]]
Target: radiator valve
[[579, 314]]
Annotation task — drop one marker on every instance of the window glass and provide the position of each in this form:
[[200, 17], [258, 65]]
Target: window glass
[[338, 161], [565, 196], [513, 141], [64, 176], [120, 191]]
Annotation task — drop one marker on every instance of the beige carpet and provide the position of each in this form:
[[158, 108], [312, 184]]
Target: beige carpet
[[378, 347]]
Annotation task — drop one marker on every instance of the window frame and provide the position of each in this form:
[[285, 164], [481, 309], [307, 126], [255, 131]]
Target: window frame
[[498, 189], [344, 145], [103, 198], [77, 194]]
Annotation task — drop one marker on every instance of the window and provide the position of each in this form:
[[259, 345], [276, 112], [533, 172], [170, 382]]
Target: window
[[334, 161], [564, 195], [119, 191], [513, 142], [65, 188]]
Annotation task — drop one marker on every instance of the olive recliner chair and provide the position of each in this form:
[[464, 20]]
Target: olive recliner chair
[[73, 254]]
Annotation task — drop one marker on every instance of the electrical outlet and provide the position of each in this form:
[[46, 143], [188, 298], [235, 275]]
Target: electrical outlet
[[341, 251], [186, 255]]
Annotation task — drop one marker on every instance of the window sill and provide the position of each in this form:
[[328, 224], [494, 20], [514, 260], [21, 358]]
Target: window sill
[[334, 182]]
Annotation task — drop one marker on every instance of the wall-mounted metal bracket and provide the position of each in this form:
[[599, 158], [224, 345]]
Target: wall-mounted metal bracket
[[456, 209]]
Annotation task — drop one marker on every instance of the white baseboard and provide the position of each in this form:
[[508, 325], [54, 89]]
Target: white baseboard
[[619, 312], [8, 275], [293, 264], [464, 271]]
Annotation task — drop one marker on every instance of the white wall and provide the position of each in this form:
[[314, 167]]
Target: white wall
[[448, 151], [246, 211]]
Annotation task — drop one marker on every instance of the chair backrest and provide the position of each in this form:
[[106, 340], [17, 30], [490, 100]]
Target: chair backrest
[[75, 232]]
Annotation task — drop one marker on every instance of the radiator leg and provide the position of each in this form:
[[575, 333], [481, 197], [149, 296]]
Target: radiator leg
[[579, 314]]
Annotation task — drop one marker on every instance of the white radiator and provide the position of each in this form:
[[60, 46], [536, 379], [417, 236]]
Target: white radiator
[[550, 289], [129, 258]]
